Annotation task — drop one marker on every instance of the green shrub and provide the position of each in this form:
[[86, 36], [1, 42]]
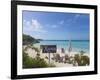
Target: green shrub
[[81, 59], [39, 63], [85, 60], [51, 65], [27, 61], [38, 54], [46, 57], [36, 49], [36, 62]]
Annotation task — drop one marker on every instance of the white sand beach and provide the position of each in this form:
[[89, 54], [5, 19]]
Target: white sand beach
[[32, 53]]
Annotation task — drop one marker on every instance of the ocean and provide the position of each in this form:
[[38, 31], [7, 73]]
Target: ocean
[[77, 45]]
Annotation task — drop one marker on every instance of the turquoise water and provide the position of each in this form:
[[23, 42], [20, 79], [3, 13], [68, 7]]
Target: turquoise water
[[77, 45]]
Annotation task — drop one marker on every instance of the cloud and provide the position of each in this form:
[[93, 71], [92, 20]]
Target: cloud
[[55, 26], [72, 20], [36, 25], [33, 25], [68, 22], [77, 16], [61, 22]]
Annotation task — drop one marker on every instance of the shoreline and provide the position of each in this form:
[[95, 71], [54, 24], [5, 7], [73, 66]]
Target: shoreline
[[65, 48]]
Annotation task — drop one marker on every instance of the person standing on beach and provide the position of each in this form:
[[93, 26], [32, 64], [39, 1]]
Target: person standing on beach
[[62, 50]]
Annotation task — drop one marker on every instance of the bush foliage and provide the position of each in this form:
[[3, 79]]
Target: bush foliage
[[36, 62], [81, 59], [29, 40]]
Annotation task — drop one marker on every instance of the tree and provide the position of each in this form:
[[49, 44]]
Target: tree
[[29, 40]]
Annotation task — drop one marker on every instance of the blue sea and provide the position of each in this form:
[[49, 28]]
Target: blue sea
[[77, 45]]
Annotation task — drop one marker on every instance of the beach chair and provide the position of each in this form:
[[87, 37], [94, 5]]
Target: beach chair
[[57, 57], [54, 57], [66, 57], [62, 59]]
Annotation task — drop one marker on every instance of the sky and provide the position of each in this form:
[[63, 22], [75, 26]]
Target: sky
[[56, 25]]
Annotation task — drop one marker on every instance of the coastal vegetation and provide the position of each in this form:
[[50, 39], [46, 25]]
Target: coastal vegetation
[[81, 59], [36, 62], [28, 40], [78, 59], [29, 62]]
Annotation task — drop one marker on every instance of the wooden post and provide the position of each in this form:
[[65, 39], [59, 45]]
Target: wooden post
[[49, 58]]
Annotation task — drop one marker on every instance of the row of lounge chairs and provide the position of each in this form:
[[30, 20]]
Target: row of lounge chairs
[[58, 58]]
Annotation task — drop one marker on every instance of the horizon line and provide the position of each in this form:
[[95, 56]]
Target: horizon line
[[65, 39]]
